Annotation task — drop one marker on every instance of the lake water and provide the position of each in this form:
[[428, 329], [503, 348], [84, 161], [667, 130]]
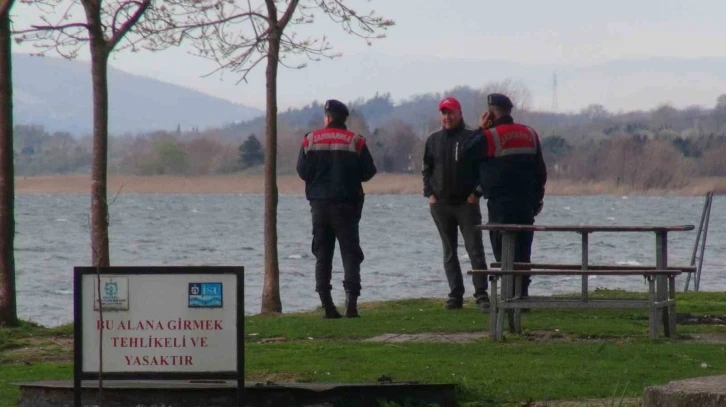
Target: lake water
[[402, 249]]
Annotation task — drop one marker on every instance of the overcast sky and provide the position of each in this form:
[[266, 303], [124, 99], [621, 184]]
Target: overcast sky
[[572, 33]]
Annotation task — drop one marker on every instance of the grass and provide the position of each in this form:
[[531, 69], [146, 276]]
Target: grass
[[595, 355], [31, 352], [424, 315], [22, 336], [491, 374], [10, 374]]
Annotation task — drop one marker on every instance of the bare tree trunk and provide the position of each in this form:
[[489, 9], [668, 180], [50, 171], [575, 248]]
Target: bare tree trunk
[[8, 304], [271, 290], [99, 207]]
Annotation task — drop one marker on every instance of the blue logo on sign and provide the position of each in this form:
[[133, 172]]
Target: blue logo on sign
[[205, 295], [111, 289]]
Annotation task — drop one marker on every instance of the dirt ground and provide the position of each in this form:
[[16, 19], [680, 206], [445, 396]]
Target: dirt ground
[[536, 336], [46, 349], [628, 402]]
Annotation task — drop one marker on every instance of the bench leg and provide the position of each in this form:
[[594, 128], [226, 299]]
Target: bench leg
[[665, 290], [515, 326], [494, 310], [508, 251], [585, 262], [672, 308], [662, 290], [509, 296], [652, 311], [661, 263], [500, 323]]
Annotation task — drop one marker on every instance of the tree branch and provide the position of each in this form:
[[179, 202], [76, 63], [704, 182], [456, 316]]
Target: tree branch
[[249, 69], [36, 28], [344, 15], [219, 31], [288, 14], [272, 11], [210, 23], [121, 8], [254, 27], [125, 27]]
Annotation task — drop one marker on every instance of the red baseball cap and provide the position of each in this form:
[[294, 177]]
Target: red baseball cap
[[450, 104]]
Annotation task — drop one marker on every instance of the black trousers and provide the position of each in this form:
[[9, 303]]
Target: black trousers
[[337, 220], [507, 211], [464, 216]]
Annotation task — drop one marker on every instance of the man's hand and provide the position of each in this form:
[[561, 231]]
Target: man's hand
[[472, 199], [432, 199], [538, 208]]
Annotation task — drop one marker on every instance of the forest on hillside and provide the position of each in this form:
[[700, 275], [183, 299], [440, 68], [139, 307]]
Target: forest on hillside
[[660, 148]]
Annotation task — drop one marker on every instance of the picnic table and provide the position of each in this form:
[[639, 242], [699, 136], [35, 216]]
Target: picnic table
[[661, 278]]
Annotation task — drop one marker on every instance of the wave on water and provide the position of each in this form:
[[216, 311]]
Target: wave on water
[[400, 244], [629, 263]]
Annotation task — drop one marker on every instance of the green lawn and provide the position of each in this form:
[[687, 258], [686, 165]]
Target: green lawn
[[595, 354], [412, 316], [492, 374], [18, 373]]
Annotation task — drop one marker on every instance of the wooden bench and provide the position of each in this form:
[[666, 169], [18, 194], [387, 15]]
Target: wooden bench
[[661, 278], [548, 266], [500, 303]]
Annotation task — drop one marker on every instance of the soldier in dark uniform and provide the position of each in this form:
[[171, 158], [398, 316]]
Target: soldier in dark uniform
[[334, 162], [512, 176], [449, 182]]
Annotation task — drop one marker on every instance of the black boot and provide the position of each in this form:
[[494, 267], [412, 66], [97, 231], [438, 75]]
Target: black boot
[[351, 306], [329, 310]]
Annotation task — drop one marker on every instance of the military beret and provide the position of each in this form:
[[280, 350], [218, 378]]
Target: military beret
[[499, 100], [336, 106]]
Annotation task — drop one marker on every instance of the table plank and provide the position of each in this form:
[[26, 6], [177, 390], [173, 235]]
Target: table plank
[[585, 228], [576, 272], [553, 266]]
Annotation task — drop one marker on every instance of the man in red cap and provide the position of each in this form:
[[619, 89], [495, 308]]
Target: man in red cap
[[450, 176]]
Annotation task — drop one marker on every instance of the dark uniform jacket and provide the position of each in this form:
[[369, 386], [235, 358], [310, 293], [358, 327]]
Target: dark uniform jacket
[[449, 167], [512, 167], [334, 162]]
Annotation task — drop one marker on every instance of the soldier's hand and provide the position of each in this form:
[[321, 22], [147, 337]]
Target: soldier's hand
[[432, 199], [472, 199], [486, 120]]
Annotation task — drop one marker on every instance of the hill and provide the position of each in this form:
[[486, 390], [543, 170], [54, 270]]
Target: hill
[[57, 94]]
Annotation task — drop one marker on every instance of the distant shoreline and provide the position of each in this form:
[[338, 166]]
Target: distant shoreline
[[397, 184]]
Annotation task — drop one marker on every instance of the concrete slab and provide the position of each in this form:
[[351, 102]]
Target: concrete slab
[[430, 337], [709, 391]]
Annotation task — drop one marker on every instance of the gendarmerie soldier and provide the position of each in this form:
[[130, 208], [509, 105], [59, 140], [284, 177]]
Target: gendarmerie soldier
[[334, 163], [512, 176]]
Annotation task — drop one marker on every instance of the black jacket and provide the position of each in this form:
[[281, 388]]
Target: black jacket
[[517, 177], [449, 166], [334, 163]]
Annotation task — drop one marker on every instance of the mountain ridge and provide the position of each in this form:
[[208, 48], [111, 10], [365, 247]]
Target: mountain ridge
[[43, 87]]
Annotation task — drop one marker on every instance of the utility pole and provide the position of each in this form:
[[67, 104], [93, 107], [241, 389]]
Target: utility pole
[[554, 92]]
